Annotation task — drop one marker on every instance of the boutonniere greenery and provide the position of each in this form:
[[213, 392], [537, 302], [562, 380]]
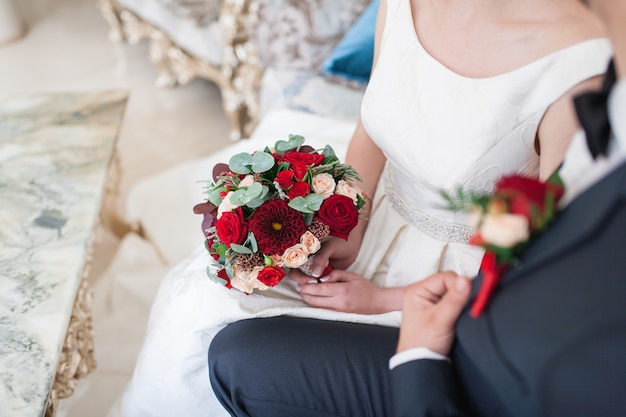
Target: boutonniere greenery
[[504, 223]]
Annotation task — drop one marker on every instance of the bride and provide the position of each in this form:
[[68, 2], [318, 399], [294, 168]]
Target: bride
[[462, 92]]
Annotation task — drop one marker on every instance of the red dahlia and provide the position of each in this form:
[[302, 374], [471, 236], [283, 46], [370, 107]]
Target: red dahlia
[[276, 226]]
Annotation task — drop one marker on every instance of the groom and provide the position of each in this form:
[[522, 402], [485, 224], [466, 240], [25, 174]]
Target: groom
[[551, 341]]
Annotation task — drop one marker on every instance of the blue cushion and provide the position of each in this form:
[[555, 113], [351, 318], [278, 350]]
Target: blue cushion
[[352, 57]]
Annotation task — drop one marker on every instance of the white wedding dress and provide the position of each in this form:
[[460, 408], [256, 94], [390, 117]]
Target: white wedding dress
[[439, 130]]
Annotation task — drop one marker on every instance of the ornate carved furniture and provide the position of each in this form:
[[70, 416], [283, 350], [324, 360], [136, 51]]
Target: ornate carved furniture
[[184, 48]]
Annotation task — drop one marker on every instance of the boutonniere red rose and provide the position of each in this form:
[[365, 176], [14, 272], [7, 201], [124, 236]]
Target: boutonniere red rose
[[270, 210], [505, 222]]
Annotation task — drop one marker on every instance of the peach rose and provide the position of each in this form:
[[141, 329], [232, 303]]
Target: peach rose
[[277, 259], [295, 256], [343, 188], [226, 205], [310, 242], [323, 184], [504, 230]]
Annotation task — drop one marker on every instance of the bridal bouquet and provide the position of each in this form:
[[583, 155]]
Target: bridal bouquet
[[505, 222], [271, 209]]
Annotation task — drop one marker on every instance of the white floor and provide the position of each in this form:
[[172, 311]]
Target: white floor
[[66, 49]]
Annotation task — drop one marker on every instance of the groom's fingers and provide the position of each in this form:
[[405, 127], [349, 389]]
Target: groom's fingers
[[428, 292], [453, 301]]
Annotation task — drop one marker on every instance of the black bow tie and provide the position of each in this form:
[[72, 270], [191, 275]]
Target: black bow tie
[[591, 109]]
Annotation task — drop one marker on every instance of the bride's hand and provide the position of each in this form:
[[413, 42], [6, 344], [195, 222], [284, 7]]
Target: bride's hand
[[347, 292], [337, 252]]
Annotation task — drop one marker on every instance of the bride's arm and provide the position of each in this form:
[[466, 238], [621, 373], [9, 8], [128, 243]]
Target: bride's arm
[[558, 127], [368, 160]]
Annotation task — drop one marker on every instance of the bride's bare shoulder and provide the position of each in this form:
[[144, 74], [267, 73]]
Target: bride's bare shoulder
[[574, 24]]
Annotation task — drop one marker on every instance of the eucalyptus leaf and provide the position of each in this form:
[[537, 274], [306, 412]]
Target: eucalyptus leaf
[[215, 278], [253, 244], [241, 163], [256, 203], [215, 196], [328, 151], [309, 204], [229, 270], [294, 142], [262, 162], [244, 196], [240, 249]]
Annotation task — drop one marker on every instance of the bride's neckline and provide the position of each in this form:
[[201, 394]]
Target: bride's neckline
[[536, 62]]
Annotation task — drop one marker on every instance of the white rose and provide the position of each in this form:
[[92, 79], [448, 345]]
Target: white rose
[[295, 256], [323, 184], [504, 230], [310, 242], [226, 205], [247, 281], [247, 181], [343, 188]]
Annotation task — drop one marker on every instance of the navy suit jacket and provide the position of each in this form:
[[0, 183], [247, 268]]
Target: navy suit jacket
[[552, 341]]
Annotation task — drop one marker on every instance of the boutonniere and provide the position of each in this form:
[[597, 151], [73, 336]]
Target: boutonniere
[[504, 223]]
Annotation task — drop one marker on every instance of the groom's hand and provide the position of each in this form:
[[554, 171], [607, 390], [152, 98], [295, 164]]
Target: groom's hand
[[430, 310]]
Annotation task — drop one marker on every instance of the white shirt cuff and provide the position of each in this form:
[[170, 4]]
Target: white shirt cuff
[[415, 354]]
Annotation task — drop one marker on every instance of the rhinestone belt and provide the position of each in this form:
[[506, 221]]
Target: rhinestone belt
[[444, 231]]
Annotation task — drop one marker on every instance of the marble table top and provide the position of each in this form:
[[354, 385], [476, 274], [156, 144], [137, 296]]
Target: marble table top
[[55, 150]]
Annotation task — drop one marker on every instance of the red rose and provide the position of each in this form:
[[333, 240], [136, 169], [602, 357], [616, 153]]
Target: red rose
[[527, 196], [299, 162], [285, 179], [300, 189], [231, 227], [271, 275], [222, 274], [339, 213]]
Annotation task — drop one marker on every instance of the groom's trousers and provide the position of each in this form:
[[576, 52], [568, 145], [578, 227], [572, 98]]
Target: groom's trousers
[[295, 367]]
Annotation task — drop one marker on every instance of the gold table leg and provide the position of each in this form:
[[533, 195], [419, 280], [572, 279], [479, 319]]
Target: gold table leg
[[77, 356]]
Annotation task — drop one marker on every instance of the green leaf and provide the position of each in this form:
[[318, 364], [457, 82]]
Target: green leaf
[[360, 202], [215, 278], [253, 244], [244, 196], [267, 261], [244, 163], [215, 197], [262, 162], [241, 163], [309, 204], [294, 142], [221, 250], [328, 151], [240, 249]]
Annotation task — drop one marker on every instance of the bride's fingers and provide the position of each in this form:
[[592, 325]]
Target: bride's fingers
[[299, 276], [319, 262]]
